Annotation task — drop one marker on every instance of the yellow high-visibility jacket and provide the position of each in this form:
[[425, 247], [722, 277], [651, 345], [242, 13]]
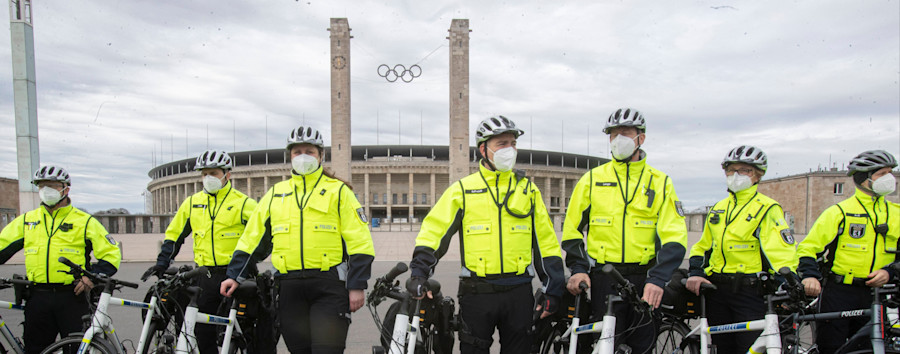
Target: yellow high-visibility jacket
[[310, 222], [505, 231], [66, 232], [745, 233], [848, 230], [215, 222], [629, 213]]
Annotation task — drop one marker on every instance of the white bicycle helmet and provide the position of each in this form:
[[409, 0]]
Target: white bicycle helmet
[[305, 135], [871, 160], [51, 173], [625, 117], [493, 126], [213, 159], [747, 154]]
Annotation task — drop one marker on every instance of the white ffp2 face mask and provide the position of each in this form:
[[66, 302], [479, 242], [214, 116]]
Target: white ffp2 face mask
[[212, 184], [738, 182], [622, 147], [304, 164], [49, 196], [884, 185], [505, 159]]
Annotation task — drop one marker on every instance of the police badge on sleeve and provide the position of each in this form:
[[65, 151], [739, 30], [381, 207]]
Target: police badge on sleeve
[[787, 236], [362, 215], [110, 239], [679, 209]]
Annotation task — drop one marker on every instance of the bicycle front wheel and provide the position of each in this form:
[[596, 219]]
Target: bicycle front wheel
[[71, 345], [671, 339]]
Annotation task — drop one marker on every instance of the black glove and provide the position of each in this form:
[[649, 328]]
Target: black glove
[[156, 270], [549, 303], [417, 286]]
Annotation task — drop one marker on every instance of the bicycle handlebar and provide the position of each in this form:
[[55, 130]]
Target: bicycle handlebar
[[191, 274], [101, 279], [398, 269], [16, 281], [610, 270]]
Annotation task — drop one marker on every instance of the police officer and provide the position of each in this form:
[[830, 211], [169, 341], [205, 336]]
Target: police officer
[[506, 238], [57, 229], [215, 218], [631, 218], [860, 234], [745, 235], [323, 250]]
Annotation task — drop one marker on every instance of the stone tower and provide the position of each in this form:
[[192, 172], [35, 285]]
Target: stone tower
[[459, 98], [25, 100], [340, 97]]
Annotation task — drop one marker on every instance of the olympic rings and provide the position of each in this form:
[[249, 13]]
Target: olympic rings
[[399, 71]]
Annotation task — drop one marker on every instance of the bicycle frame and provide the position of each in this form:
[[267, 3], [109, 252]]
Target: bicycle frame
[[606, 327], [101, 323], [14, 343], [192, 316]]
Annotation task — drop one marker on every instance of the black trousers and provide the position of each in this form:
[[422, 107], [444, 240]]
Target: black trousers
[[314, 314], [210, 298], [831, 334], [635, 329], [51, 313], [509, 311], [729, 305]]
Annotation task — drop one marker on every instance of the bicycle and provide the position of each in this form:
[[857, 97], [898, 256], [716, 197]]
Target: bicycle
[[9, 339], [428, 330], [567, 342], [771, 340]]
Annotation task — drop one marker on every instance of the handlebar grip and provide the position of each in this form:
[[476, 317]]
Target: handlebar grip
[[612, 272], [789, 276], [582, 286], [703, 286], [896, 266], [398, 269], [69, 263], [127, 283], [19, 281], [193, 273]]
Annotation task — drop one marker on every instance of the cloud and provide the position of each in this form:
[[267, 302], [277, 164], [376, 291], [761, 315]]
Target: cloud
[[121, 86]]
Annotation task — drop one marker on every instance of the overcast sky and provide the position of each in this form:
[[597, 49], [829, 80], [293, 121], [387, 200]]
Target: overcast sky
[[121, 81]]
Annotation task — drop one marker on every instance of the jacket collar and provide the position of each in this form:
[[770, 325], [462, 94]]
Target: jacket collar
[[491, 176], [865, 199], [61, 212], [221, 193], [631, 166], [745, 195], [309, 179]]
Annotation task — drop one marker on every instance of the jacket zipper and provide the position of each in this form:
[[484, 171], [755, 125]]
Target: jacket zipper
[[302, 258], [212, 233], [625, 209], [499, 221], [725, 230]]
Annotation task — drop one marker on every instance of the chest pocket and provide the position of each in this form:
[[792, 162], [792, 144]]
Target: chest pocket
[[644, 223], [478, 237], [743, 246], [602, 221], [319, 203], [281, 236], [326, 236]]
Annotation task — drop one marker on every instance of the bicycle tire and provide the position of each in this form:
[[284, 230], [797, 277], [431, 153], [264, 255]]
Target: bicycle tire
[[806, 334], [549, 344], [671, 336], [70, 345]]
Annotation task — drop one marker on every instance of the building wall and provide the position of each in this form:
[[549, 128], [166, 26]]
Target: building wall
[[9, 200], [804, 197]]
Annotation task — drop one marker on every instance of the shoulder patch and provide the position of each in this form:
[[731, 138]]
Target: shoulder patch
[[605, 184], [476, 191], [679, 208], [787, 236], [201, 206], [362, 215], [110, 239], [857, 230]]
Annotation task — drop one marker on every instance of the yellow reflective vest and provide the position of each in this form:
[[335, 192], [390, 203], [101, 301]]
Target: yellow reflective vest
[[215, 222], [504, 228], [627, 212], [847, 230], [310, 223], [744, 233], [66, 232]]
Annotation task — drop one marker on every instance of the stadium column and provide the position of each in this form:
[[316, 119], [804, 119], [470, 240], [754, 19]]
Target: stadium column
[[459, 98], [367, 200], [410, 198], [390, 196], [547, 194], [562, 195], [432, 197]]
